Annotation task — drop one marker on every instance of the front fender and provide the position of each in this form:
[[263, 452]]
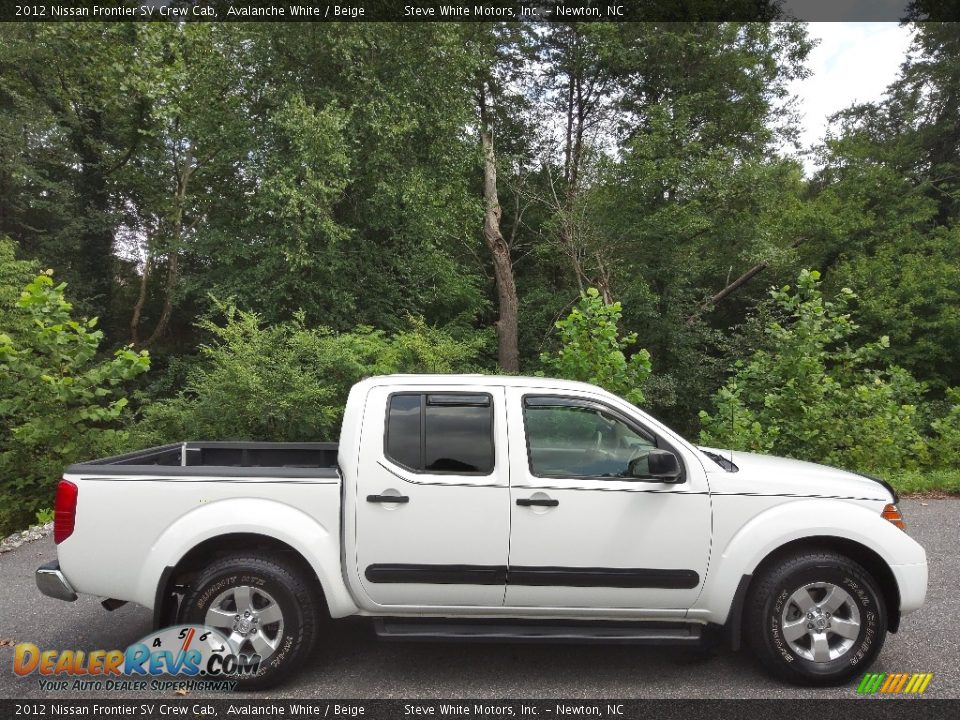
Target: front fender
[[795, 520], [319, 546]]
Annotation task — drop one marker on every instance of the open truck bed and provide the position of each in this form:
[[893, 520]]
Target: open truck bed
[[275, 459]]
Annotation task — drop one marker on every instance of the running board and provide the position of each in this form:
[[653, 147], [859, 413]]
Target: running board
[[440, 629]]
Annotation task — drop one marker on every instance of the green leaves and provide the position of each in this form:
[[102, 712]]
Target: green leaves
[[58, 402], [812, 394], [288, 381], [592, 349], [945, 443]]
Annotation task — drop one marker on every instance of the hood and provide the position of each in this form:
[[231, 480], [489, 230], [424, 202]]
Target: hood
[[770, 475]]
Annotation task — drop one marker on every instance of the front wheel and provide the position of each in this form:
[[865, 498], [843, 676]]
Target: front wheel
[[816, 618], [264, 606]]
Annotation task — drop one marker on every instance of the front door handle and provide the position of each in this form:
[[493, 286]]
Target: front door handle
[[538, 502], [388, 498]]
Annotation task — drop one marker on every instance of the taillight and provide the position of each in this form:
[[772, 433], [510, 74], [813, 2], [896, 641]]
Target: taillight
[[64, 511], [892, 513]]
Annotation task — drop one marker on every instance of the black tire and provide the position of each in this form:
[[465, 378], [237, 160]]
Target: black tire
[[772, 599], [273, 578]]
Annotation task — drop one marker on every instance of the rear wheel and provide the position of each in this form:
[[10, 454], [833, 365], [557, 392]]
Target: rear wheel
[[264, 606], [817, 618]]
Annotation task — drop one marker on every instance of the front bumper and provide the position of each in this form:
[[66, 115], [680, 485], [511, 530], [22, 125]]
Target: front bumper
[[912, 582], [52, 583]]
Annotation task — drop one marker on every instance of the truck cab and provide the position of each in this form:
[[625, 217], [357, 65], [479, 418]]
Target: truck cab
[[464, 485]]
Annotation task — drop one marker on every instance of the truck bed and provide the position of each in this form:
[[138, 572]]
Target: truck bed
[[234, 458]]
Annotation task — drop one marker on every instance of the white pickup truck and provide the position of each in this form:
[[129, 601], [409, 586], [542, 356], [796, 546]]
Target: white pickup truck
[[494, 508]]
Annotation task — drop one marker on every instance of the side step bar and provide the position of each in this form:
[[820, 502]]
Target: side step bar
[[440, 629]]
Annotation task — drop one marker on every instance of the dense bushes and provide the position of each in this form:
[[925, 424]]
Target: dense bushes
[[61, 401], [811, 394], [288, 381], [945, 445], [58, 402]]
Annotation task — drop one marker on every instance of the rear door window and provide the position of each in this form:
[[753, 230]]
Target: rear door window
[[441, 433], [403, 438]]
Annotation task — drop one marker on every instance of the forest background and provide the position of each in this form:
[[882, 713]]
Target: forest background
[[210, 231]]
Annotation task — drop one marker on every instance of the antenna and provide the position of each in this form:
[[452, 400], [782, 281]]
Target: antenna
[[733, 430]]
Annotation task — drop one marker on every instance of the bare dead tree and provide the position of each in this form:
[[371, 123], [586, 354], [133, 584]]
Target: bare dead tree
[[508, 350]]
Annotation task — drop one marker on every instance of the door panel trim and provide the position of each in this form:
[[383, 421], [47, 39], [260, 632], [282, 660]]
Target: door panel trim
[[604, 577], [437, 574], [533, 576]]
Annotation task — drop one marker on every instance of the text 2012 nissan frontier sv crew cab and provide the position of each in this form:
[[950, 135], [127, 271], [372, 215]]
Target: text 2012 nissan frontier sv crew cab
[[494, 508]]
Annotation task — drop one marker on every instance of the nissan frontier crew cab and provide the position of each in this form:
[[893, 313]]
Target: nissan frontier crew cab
[[494, 508]]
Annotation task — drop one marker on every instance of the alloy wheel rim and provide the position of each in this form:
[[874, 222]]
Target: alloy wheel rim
[[820, 622], [250, 618]]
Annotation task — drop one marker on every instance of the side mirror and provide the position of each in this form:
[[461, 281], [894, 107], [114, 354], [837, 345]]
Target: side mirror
[[663, 466]]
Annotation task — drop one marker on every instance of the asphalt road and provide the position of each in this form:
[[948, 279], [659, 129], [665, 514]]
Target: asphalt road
[[352, 663]]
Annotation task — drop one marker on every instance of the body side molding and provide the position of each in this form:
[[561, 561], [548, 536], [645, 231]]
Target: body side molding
[[533, 576]]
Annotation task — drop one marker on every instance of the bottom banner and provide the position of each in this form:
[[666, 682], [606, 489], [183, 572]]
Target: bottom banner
[[860, 709]]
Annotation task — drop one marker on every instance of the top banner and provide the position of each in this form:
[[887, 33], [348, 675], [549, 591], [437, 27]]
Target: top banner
[[482, 11]]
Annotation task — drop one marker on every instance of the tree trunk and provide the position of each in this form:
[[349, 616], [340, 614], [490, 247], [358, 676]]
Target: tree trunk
[[173, 274], [141, 300], [176, 240], [568, 145], [736, 285], [728, 290], [573, 230], [94, 260], [508, 352]]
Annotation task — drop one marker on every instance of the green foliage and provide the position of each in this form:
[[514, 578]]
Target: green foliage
[[68, 120], [354, 202], [698, 193], [592, 349], [812, 395], [289, 382], [14, 274], [58, 402], [44, 516], [338, 172], [945, 444], [883, 216], [934, 482]]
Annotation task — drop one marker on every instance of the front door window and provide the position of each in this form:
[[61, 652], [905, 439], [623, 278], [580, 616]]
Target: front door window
[[582, 441]]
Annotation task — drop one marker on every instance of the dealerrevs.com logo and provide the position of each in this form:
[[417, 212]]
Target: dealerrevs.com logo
[[894, 683], [200, 657]]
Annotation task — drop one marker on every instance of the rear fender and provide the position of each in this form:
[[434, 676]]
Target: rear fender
[[319, 546]]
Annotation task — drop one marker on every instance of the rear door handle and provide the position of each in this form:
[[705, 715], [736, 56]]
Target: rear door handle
[[530, 502], [388, 498]]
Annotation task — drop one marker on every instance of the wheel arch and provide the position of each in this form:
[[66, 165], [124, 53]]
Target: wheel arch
[[239, 525], [871, 561], [175, 577], [838, 524]]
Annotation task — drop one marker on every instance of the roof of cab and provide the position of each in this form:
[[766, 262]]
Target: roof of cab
[[480, 379]]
